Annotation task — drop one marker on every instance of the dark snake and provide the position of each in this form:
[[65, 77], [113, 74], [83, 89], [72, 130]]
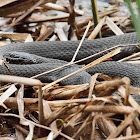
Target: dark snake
[[47, 55]]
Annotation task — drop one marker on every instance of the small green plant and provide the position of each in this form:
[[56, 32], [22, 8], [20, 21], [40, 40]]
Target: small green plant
[[135, 15]]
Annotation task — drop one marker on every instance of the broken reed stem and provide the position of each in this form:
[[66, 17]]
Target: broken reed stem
[[80, 44], [103, 58]]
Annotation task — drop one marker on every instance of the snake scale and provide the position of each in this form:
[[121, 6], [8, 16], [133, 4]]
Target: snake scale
[[48, 55]]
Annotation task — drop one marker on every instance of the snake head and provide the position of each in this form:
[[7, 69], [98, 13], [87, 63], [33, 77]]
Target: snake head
[[20, 58]]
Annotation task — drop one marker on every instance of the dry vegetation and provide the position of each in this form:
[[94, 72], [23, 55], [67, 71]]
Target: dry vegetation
[[31, 109]]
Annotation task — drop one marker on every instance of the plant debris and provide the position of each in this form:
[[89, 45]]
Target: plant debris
[[31, 109]]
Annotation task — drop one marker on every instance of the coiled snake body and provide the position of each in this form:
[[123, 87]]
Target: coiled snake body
[[62, 52]]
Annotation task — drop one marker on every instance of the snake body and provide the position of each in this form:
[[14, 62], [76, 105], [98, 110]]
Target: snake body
[[50, 55]]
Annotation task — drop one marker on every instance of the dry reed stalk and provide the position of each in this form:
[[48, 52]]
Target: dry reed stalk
[[53, 38], [80, 44], [127, 88], [20, 80], [110, 24], [113, 83], [32, 103], [130, 57], [20, 103], [52, 6], [104, 109], [97, 29], [113, 26], [61, 34], [92, 84], [40, 108], [136, 58], [102, 128], [45, 32], [3, 2], [69, 93], [6, 94], [38, 19], [134, 62], [93, 129]]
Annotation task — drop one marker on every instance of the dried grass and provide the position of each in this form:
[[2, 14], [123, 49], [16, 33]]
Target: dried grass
[[36, 110]]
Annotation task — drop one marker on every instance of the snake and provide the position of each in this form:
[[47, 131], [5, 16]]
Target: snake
[[43, 56]]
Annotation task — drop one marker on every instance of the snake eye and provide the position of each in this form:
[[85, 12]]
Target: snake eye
[[34, 60], [11, 55]]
